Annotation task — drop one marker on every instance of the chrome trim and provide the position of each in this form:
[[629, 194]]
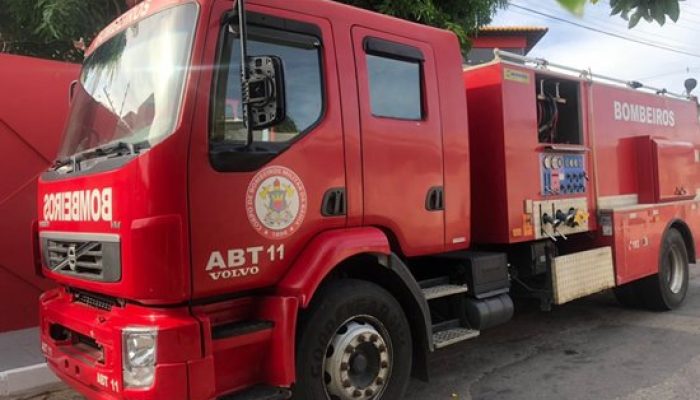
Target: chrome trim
[[79, 236]]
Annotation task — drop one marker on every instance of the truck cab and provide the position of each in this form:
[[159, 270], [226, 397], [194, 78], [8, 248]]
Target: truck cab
[[195, 258]]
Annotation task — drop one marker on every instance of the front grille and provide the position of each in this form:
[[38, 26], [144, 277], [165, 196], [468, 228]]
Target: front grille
[[82, 256], [77, 257]]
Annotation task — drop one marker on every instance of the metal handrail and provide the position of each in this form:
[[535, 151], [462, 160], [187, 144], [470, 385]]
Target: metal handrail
[[583, 73]]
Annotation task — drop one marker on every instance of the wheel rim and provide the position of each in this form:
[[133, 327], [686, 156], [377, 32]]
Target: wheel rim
[[676, 272], [358, 360]]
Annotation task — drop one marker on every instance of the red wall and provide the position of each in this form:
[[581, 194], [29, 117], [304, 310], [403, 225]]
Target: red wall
[[33, 109], [500, 42]]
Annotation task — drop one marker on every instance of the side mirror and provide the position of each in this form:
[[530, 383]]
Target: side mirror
[[690, 85], [71, 91], [266, 98]]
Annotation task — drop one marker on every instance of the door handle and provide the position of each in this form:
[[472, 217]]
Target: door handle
[[435, 199], [334, 203]]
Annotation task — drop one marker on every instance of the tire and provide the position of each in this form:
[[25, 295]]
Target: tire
[[666, 290], [370, 324]]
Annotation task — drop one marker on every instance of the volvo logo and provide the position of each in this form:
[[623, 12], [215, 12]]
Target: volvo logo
[[72, 257]]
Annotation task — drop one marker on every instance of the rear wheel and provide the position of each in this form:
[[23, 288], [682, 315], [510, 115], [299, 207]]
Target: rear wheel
[[667, 289], [354, 344]]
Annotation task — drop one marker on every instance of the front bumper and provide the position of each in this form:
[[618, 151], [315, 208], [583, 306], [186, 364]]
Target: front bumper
[[83, 345]]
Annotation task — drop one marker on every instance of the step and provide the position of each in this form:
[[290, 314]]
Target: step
[[436, 292], [440, 280], [451, 336]]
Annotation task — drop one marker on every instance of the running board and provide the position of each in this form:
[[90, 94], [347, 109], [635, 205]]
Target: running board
[[452, 336], [260, 393], [440, 291], [449, 333], [441, 287]]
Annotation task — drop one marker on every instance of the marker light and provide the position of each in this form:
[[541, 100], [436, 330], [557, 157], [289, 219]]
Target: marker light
[[139, 356]]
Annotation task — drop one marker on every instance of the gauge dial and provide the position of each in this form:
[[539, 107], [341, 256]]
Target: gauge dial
[[557, 162], [547, 162]]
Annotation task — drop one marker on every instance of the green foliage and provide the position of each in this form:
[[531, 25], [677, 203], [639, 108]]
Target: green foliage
[[55, 29], [463, 18], [633, 10]]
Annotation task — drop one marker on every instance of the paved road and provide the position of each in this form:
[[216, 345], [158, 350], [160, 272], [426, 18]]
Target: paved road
[[588, 349]]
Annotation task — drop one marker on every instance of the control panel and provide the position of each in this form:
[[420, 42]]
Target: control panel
[[562, 174], [558, 218]]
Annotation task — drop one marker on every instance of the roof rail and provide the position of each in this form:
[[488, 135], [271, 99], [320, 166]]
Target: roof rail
[[582, 73]]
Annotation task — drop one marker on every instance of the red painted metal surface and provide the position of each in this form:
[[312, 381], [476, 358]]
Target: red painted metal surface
[[637, 144], [316, 159], [615, 136], [645, 147], [412, 150], [33, 109], [267, 354], [505, 167], [638, 234], [179, 341], [667, 170], [505, 164], [326, 251], [153, 233]]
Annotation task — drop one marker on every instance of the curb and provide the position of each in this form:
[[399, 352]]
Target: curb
[[26, 381]]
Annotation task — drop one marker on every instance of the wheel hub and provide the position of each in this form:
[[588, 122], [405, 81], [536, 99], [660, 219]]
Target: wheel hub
[[358, 361], [675, 275]]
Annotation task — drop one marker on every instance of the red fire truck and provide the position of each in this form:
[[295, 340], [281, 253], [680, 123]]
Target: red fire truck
[[293, 201]]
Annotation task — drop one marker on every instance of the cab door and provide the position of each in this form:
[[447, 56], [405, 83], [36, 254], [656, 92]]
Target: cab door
[[254, 207], [402, 155]]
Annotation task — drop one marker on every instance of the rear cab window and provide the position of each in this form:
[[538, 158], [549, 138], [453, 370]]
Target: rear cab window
[[395, 76]]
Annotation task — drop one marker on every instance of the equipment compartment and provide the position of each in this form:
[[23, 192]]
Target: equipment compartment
[[558, 110], [666, 170]]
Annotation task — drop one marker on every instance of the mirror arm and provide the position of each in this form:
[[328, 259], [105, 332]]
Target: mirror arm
[[245, 87]]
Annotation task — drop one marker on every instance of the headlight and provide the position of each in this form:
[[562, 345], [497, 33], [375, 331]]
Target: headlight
[[139, 356]]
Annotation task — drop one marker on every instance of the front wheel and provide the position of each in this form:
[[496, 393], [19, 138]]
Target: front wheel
[[354, 344]]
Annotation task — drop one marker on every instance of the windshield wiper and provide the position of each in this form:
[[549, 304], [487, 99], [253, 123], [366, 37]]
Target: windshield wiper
[[120, 147]]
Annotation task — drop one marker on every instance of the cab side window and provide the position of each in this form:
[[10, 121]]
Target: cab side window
[[301, 57], [395, 79]]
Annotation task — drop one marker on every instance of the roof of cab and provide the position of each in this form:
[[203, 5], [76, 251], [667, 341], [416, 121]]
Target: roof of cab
[[332, 10]]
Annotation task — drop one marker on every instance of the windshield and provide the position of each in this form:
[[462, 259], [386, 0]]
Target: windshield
[[131, 86]]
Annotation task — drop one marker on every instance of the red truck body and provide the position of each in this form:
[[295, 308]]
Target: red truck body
[[215, 268], [643, 169]]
